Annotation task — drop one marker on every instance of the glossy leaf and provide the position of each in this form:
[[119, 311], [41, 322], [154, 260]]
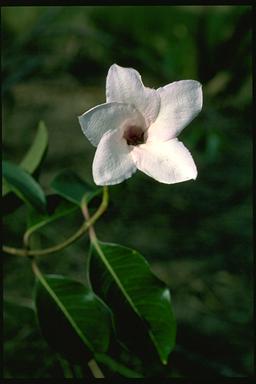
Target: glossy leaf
[[74, 321], [57, 208], [73, 188], [37, 151], [140, 302], [34, 156], [24, 185]]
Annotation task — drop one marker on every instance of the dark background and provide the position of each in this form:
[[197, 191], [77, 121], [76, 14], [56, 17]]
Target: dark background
[[197, 235]]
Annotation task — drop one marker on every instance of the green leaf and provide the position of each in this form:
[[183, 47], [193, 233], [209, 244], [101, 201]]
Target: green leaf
[[34, 156], [23, 185], [57, 207], [140, 302], [37, 151], [74, 321], [73, 188], [5, 187]]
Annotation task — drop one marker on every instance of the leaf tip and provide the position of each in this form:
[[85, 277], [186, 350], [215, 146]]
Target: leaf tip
[[164, 361]]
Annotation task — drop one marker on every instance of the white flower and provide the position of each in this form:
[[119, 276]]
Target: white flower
[[137, 128]]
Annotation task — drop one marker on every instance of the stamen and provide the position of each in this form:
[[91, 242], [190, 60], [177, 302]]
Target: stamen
[[134, 135]]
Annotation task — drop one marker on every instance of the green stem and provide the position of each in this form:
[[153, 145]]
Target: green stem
[[86, 214], [67, 242], [92, 234], [95, 243], [95, 369], [91, 230], [46, 251]]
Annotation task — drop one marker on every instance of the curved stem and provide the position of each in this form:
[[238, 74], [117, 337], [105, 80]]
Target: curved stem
[[46, 251], [92, 234], [95, 369], [85, 226], [91, 231], [86, 214], [26, 238]]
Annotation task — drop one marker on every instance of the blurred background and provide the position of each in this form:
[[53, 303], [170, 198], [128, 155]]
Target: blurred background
[[196, 235]]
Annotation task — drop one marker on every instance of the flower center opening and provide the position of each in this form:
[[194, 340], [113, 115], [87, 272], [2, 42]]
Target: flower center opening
[[134, 135]]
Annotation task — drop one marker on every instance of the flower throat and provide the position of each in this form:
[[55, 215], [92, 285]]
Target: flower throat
[[134, 135]]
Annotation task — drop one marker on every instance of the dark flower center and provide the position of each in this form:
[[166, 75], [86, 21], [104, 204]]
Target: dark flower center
[[134, 135]]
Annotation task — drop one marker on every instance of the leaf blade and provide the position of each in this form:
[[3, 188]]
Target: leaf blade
[[5, 188], [73, 320], [23, 185], [70, 186], [129, 273], [36, 153], [56, 208]]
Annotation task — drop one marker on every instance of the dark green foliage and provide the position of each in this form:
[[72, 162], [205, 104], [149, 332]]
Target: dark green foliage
[[196, 235], [70, 186], [25, 339], [56, 208], [23, 185], [31, 163], [141, 303], [72, 319], [36, 153]]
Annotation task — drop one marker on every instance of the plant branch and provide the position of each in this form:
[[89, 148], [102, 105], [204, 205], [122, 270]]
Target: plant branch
[[85, 226], [95, 369], [92, 364], [86, 214]]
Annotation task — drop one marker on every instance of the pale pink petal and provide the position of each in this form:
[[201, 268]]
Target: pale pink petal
[[108, 116], [113, 162], [168, 162], [124, 85], [181, 101]]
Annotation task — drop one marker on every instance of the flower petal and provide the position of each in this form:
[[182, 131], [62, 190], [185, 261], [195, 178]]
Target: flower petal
[[181, 101], [168, 162], [124, 85], [113, 162], [108, 116]]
